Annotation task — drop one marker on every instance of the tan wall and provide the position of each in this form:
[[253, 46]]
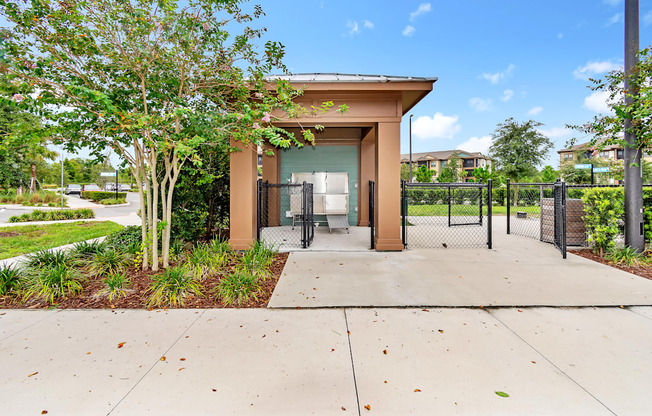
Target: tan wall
[[244, 174], [367, 173], [271, 173], [388, 172]]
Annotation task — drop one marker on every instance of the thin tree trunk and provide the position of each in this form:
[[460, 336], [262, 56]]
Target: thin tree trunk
[[154, 209], [32, 185]]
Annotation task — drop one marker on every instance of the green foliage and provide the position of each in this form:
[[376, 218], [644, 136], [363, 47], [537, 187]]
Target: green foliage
[[10, 279], [54, 215], [447, 174], [548, 174], [518, 147], [405, 172], [626, 256], [241, 286], [173, 287], [50, 258], [115, 286], [113, 201], [52, 282], [85, 250], [31, 199], [258, 259], [198, 261], [127, 236], [99, 196], [423, 174], [604, 211], [484, 174], [108, 261]]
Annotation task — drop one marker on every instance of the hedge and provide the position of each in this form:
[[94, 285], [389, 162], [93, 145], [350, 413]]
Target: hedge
[[58, 215], [100, 195]]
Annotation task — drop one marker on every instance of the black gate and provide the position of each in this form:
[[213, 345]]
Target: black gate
[[446, 215], [285, 214], [560, 217], [372, 213]]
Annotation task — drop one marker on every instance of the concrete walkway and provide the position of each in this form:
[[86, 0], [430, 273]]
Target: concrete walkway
[[519, 271], [550, 361]]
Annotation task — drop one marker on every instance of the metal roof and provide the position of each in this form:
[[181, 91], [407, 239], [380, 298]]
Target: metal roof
[[441, 155], [338, 78]]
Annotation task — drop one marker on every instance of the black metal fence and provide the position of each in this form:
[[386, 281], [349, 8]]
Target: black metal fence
[[530, 209], [285, 214], [446, 215]]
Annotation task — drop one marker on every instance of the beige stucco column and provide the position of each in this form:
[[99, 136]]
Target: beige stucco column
[[367, 173], [271, 172], [243, 195], [388, 179]]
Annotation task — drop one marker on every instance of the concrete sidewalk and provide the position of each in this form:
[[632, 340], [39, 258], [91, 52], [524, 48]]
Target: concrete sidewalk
[[518, 272], [549, 361]]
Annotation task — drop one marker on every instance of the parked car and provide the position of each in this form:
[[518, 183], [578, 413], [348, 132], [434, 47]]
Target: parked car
[[109, 187], [91, 187], [73, 189], [124, 187]]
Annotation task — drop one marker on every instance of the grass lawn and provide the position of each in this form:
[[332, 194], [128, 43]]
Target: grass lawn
[[15, 241], [441, 210]]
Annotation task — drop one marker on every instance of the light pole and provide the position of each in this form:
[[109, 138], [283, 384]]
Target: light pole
[[62, 151], [411, 147], [634, 237]]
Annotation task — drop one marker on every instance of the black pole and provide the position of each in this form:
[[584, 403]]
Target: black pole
[[489, 215], [633, 181], [404, 209], [508, 206], [116, 184], [411, 148], [592, 181], [449, 206]]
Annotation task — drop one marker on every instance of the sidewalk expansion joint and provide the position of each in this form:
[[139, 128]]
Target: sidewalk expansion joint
[[551, 363], [355, 382], [31, 325], [165, 353]]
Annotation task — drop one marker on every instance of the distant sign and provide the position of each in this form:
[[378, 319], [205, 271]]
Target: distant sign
[[107, 173], [583, 166], [600, 170]]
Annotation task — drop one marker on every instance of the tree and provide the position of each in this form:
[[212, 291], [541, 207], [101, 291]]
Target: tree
[[484, 174], [405, 172], [548, 174], [518, 148], [423, 174], [153, 81]]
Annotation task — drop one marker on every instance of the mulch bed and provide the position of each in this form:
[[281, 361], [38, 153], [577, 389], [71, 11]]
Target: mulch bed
[[643, 271], [137, 298]]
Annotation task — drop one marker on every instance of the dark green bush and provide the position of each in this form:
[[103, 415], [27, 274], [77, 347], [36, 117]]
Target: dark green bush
[[101, 195], [54, 215], [604, 211], [128, 236]]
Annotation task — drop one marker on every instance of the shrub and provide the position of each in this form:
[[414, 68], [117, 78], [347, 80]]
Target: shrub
[[50, 283], [86, 250], [113, 201], [199, 261], [10, 279], [604, 210], [173, 287], [55, 215], [109, 261], [257, 259], [239, 287], [126, 237], [626, 256], [101, 195], [115, 286], [221, 253], [189, 225], [50, 258]]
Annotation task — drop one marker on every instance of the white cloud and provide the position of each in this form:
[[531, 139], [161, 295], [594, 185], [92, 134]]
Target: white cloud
[[409, 31], [368, 24], [495, 78], [616, 18], [353, 26], [507, 95], [594, 68], [534, 111], [423, 9], [556, 132], [597, 102], [477, 144], [437, 127], [612, 2], [647, 18], [479, 104]]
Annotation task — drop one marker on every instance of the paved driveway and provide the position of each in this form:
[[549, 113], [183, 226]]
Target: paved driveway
[[550, 361], [518, 271]]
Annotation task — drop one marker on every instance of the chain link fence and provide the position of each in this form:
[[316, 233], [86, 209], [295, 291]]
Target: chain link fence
[[446, 215]]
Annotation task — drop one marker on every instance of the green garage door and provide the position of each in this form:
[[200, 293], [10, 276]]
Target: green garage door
[[324, 159]]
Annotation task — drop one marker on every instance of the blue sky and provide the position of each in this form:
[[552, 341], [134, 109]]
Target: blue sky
[[494, 59]]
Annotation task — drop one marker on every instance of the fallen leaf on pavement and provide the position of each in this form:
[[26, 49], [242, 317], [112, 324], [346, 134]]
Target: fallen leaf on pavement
[[417, 390], [122, 344], [33, 374], [44, 412], [534, 362], [214, 390], [163, 358], [441, 330], [88, 353], [343, 408], [385, 352], [502, 394], [182, 368], [182, 359], [367, 407]]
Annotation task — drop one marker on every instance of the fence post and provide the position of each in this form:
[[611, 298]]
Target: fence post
[[259, 208], [404, 209], [449, 206], [304, 215], [563, 217], [481, 198], [489, 215], [509, 204]]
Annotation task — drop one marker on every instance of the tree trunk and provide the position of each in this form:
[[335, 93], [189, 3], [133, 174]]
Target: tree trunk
[[154, 209], [32, 185], [515, 195]]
